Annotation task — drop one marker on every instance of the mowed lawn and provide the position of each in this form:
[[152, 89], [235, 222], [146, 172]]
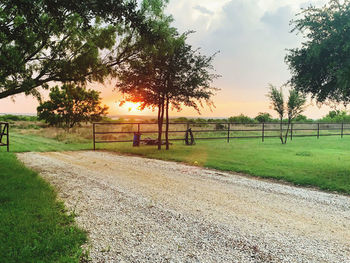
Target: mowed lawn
[[34, 143], [307, 161], [34, 226]]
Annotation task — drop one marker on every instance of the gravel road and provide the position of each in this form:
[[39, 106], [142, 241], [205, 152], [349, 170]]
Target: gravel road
[[143, 210]]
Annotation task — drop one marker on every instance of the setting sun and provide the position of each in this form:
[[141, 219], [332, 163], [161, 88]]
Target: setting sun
[[131, 107]]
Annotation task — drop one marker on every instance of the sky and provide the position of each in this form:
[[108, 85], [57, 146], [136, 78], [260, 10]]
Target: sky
[[252, 38]]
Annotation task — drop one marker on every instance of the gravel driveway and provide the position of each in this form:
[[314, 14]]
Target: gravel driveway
[[142, 210]]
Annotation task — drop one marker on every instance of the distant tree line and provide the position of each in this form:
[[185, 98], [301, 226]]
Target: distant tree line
[[334, 116]]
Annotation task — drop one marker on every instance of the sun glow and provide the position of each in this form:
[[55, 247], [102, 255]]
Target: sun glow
[[131, 107]]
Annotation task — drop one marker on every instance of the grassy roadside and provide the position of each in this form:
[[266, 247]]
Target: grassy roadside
[[323, 163], [34, 226], [34, 143]]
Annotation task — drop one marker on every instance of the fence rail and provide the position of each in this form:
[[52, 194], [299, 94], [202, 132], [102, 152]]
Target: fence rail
[[120, 132], [5, 132]]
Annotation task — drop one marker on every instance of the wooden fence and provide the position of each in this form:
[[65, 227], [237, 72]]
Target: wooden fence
[[4, 132], [123, 132]]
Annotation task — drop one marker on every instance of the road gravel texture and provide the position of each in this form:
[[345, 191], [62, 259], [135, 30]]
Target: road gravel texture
[[142, 210]]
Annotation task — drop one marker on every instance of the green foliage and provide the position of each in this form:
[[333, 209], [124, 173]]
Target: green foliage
[[46, 40], [335, 113], [336, 116], [10, 118], [277, 101], [321, 67], [166, 71], [263, 117], [34, 227], [303, 119], [241, 119], [70, 105], [295, 104]]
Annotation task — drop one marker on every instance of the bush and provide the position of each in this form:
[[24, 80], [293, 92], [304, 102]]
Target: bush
[[263, 117], [11, 117], [241, 119], [336, 117]]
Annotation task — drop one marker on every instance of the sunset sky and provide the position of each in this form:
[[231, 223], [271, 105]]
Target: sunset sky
[[252, 37]]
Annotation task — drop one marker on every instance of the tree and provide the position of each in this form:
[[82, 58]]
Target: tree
[[321, 67], [302, 118], [167, 72], [335, 113], [263, 117], [45, 41], [241, 119], [70, 105], [277, 103], [294, 107]]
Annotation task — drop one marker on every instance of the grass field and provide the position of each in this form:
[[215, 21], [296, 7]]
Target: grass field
[[324, 162], [34, 227], [307, 161], [28, 142]]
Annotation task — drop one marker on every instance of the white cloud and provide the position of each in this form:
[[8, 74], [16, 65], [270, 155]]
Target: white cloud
[[252, 37]]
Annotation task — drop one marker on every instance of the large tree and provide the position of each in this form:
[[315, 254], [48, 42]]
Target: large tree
[[321, 66], [70, 105], [167, 72], [43, 41]]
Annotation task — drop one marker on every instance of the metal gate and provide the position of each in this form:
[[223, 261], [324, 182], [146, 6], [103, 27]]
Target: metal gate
[[5, 135]]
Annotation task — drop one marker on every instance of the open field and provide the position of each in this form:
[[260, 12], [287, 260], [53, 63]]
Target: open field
[[34, 227], [324, 162], [143, 210]]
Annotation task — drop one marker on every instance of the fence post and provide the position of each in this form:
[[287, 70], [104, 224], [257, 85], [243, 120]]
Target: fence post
[[342, 129], [291, 131], [93, 131], [263, 132], [8, 137], [138, 128], [228, 133], [318, 130]]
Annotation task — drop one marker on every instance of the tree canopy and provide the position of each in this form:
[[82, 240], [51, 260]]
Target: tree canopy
[[43, 41], [70, 105], [321, 66], [167, 72], [294, 106]]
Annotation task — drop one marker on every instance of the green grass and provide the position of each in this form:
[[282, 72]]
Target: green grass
[[33, 143], [34, 227], [324, 162]]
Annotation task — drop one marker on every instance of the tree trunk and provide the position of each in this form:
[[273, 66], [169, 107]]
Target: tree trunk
[[286, 136], [159, 127], [281, 131], [167, 123], [160, 123]]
